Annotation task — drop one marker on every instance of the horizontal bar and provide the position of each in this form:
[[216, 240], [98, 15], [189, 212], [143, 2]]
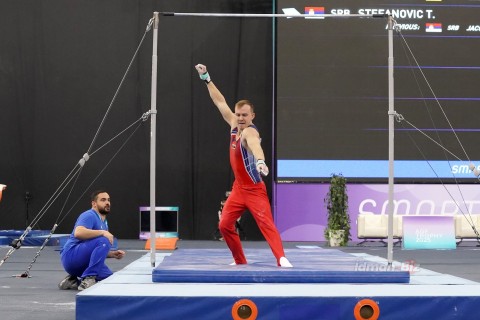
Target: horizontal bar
[[272, 15]]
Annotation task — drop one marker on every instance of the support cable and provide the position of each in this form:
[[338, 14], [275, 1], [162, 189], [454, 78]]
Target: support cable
[[439, 143], [149, 26], [26, 274], [75, 173], [434, 96]]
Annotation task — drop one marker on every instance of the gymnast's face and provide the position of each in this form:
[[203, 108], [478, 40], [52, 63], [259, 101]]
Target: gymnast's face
[[102, 203], [244, 116]]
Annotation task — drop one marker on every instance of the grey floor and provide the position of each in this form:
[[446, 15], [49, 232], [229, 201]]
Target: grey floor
[[38, 297]]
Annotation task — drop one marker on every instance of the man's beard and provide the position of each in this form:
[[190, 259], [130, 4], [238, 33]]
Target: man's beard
[[103, 211]]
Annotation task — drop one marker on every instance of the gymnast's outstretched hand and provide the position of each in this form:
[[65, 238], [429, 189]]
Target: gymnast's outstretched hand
[[203, 73]]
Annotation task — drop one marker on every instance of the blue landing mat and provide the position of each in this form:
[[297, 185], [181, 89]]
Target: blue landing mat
[[315, 265], [17, 233], [33, 238]]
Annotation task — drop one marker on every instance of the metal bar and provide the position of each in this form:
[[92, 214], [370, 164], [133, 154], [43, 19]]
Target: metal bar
[[391, 111], [271, 15]]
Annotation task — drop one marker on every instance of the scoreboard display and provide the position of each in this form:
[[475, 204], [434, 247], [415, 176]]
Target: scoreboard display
[[331, 90]]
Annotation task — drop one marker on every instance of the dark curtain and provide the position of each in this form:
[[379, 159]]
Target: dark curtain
[[60, 66]]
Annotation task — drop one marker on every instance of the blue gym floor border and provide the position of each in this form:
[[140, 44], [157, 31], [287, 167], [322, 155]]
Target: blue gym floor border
[[274, 308]]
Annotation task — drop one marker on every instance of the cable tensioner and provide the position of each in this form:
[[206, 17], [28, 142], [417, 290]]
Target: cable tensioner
[[17, 243]]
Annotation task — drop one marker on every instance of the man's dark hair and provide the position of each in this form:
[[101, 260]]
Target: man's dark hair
[[95, 193]]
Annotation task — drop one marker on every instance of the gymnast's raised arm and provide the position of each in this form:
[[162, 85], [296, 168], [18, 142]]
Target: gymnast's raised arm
[[217, 97]]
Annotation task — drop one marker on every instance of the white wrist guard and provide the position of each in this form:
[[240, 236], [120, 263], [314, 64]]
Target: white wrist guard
[[205, 77], [260, 161], [262, 167]]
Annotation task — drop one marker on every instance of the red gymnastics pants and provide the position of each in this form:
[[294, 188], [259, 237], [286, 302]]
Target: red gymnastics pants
[[254, 198]]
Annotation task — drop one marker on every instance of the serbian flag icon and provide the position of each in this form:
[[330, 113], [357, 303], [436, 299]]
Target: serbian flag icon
[[433, 27], [315, 12]]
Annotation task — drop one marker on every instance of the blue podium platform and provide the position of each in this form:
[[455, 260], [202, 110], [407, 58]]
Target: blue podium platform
[[132, 294]]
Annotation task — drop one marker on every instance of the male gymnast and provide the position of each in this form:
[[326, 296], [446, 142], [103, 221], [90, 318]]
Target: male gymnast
[[248, 162]]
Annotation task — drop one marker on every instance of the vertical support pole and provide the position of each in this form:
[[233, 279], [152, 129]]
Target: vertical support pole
[[391, 128], [153, 135]]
